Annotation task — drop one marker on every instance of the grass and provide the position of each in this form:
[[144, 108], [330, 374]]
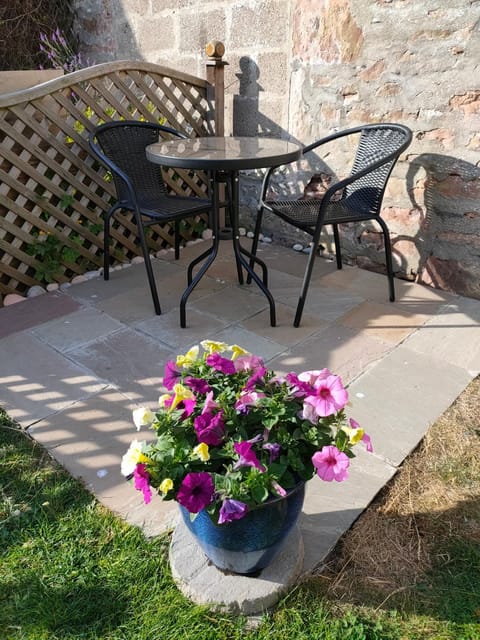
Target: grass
[[408, 569]]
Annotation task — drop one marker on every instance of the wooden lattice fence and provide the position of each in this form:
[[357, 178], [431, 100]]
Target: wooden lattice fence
[[52, 191]]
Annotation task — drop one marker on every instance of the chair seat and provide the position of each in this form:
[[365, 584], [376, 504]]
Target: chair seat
[[171, 207], [304, 213]]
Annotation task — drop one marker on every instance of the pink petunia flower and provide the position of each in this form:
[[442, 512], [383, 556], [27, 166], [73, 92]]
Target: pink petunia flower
[[328, 396], [231, 510], [210, 404], [210, 428], [365, 437], [142, 482], [247, 400], [248, 363], [331, 464], [196, 491], [224, 365], [248, 458]]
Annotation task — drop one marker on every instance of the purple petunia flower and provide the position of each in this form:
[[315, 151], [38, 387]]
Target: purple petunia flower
[[196, 491], [172, 373], [210, 428], [248, 362], [197, 384], [248, 458], [273, 449], [254, 378], [247, 400], [224, 365], [231, 510], [142, 482]]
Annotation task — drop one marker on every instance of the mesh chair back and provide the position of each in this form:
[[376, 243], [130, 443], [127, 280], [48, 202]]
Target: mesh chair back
[[376, 143], [123, 143]]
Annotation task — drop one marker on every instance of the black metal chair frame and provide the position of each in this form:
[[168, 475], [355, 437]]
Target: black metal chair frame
[[120, 146], [356, 198]]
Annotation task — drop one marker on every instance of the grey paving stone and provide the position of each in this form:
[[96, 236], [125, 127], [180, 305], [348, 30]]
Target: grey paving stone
[[75, 329], [342, 350], [327, 304], [232, 304], [35, 311], [131, 361], [401, 396], [203, 583], [36, 381], [250, 341]]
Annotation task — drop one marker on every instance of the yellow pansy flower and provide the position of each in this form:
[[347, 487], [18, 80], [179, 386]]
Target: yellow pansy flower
[[166, 485], [212, 346], [237, 351], [188, 358], [201, 450]]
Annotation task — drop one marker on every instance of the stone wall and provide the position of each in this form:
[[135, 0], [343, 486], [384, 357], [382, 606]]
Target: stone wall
[[306, 67]]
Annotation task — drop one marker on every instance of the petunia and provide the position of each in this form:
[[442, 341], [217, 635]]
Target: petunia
[[212, 346], [197, 384], [224, 365], [201, 451], [210, 405], [358, 434], [273, 449], [172, 373], [331, 464], [237, 351], [248, 363], [278, 489], [247, 400], [142, 417], [182, 394], [210, 428], [189, 358], [248, 458], [231, 510], [328, 396], [166, 485], [196, 491], [132, 457], [255, 378], [142, 482]]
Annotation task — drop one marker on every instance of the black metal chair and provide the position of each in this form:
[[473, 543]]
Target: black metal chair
[[140, 187], [353, 199]]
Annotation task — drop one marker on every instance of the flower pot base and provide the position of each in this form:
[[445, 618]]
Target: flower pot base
[[205, 584]]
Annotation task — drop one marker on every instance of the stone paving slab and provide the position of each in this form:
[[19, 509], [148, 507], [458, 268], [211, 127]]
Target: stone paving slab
[[401, 396], [33, 312], [37, 381]]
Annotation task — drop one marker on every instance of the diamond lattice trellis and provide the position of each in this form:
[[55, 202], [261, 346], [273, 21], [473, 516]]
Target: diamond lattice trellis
[[51, 188]]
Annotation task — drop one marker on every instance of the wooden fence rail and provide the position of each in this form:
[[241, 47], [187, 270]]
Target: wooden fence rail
[[52, 191]]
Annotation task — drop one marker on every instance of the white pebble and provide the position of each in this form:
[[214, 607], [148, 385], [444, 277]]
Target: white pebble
[[78, 279], [250, 234], [35, 291], [64, 285], [12, 298], [207, 234], [267, 240], [242, 231], [297, 247], [52, 286], [138, 260]]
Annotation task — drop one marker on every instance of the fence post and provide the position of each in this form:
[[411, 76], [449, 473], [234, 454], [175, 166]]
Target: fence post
[[215, 78]]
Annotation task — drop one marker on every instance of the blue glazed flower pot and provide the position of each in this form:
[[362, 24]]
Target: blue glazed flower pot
[[250, 544]]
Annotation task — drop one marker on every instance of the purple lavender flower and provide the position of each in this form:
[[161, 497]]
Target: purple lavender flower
[[231, 510]]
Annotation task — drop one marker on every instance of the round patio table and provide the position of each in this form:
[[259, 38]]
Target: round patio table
[[223, 158]]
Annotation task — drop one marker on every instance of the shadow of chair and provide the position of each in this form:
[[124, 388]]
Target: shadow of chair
[[356, 198], [140, 187]]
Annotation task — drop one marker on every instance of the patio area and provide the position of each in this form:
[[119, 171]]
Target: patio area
[[73, 364]]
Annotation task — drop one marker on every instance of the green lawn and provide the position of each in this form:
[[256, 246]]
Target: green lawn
[[69, 569]]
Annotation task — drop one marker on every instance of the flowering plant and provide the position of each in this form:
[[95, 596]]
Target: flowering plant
[[230, 434]]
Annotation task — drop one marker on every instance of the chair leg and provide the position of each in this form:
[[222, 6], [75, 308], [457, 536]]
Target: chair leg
[[148, 266], [388, 259], [106, 242], [177, 240], [306, 280], [338, 250], [256, 234]]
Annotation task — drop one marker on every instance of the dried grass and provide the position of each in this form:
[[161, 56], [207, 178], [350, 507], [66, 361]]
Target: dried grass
[[434, 496]]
